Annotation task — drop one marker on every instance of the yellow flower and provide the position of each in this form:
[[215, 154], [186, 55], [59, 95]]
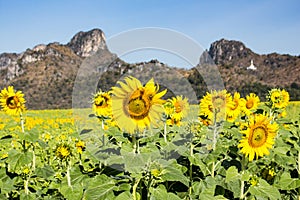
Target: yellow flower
[[216, 105], [204, 120], [172, 121], [5, 155], [110, 123], [63, 137], [13, 103], [278, 98], [135, 106], [47, 137], [63, 151], [180, 107], [194, 127], [251, 104], [102, 103], [155, 172], [253, 181], [235, 110], [271, 172], [169, 108], [80, 146], [282, 114], [268, 174], [26, 170], [258, 137]]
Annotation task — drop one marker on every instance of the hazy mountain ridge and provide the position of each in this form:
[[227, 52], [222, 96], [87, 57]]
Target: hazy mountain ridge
[[46, 73]]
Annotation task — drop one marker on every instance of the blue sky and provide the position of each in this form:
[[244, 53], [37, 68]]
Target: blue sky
[[265, 26]]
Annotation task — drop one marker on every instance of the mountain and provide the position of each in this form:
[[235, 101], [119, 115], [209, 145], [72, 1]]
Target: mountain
[[49, 74], [272, 70]]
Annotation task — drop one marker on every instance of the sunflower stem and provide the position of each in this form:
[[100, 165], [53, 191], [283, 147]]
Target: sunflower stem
[[242, 194], [191, 170], [68, 175], [102, 123], [215, 134], [135, 141], [298, 173], [33, 159], [26, 186], [134, 194], [213, 170], [24, 145], [165, 132], [102, 126], [22, 122], [299, 163], [215, 137]]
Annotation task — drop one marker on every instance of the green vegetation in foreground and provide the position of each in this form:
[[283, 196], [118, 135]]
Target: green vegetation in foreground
[[65, 154]]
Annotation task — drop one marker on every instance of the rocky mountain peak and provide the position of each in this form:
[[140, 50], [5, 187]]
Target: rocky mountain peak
[[85, 44], [228, 51]]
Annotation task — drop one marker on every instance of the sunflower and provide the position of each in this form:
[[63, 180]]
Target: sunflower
[[278, 98], [173, 121], [258, 137], [13, 103], [251, 104], [169, 108], [235, 110], [63, 151], [80, 146], [215, 105], [134, 106], [180, 107], [102, 103]]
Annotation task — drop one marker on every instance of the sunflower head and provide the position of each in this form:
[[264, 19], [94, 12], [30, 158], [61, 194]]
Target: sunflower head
[[169, 108], [216, 105], [278, 98], [173, 121], [134, 106], [235, 109], [102, 103], [63, 151], [258, 136], [80, 146], [181, 107], [251, 103], [13, 103], [176, 108]]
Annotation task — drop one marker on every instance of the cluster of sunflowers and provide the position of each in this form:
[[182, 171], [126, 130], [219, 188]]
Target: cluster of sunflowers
[[231, 129], [133, 107], [13, 103]]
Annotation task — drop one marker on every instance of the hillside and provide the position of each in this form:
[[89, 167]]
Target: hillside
[[46, 73]]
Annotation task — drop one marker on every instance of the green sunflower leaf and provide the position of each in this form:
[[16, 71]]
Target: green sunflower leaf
[[287, 183], [265, 191], [232, 174], [160, 193]]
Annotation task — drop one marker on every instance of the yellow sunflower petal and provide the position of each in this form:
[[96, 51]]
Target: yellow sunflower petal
[[258, 137], [136, 107]]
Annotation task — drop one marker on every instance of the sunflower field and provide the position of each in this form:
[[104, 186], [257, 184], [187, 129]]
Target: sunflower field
[[133, 144]]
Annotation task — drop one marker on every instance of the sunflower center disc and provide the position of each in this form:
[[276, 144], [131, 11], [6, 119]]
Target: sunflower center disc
[[259, 137], [177, 107], [12, 102], [236, 103], [138, 105], [218, 104], [101, 102], [249, 104]]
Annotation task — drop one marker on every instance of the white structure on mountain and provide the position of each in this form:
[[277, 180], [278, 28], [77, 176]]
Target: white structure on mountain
[[252, 66]]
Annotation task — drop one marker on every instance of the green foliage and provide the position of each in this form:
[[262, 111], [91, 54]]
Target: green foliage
[[116, 165]]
